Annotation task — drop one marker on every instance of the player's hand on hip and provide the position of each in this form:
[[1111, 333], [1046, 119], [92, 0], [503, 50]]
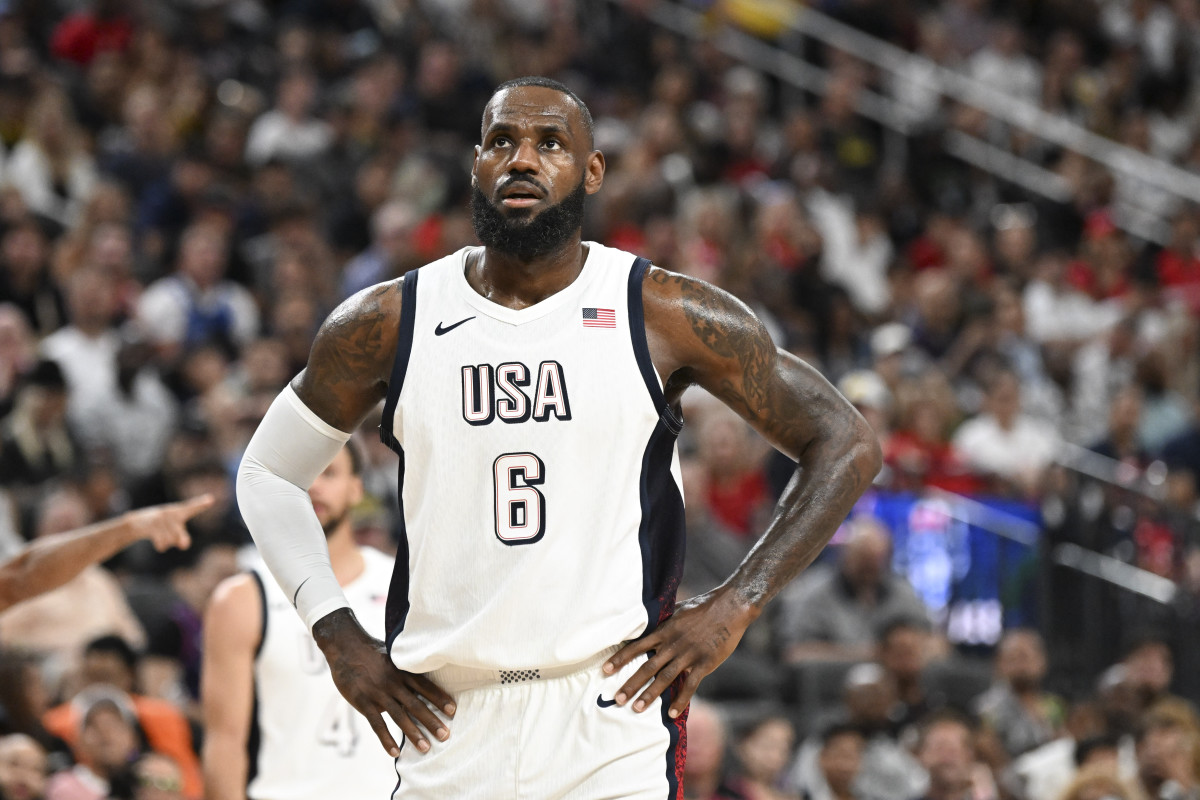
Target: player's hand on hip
[[697, 638], [166, 525], [365, 675]]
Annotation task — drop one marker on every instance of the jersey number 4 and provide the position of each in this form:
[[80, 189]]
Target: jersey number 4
[[520, 506]]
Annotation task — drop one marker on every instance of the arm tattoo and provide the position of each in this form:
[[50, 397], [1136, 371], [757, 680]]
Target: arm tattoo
[[348, 364]]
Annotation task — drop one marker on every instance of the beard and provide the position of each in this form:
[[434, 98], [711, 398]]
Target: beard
[[330, 525], [526, 238]]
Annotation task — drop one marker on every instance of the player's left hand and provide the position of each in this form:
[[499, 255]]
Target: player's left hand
[[697, 638]]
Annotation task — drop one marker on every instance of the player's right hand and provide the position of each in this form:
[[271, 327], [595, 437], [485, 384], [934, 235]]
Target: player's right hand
[[365, 675], [166, 525]]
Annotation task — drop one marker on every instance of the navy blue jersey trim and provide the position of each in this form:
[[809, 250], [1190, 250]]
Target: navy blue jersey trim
[[408, 318], [661, 531], [677, 749], [262, 597], [396, 610], [641, 350]]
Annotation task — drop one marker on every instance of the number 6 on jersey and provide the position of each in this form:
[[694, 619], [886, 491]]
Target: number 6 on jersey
[[520, 507]]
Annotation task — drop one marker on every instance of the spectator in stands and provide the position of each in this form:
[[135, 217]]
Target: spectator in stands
[[23, 695], [887, 768], [839, 762], [392, 251], [110, 661], [289, 130], [833, 612], [25, 279], [87, 348], [17, 354], [1005, 444], [738, 494], [1124, 419], [1015, 709], [51, 166], [1100, 783], [763, 752], [1168, 752], [109, 743], [197, 304], [946, 750], [22, 768], [1004, 66], [1150, 667], [36, 443], [904, 647], [704, 771]]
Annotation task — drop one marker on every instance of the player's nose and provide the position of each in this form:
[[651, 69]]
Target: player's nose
[[525, 157]]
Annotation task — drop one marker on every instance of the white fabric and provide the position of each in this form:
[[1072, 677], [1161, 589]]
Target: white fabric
[[313, 745], [502, 738], [478, 585], [291, 447], [164, 308], [275, 134], [29, 170], [1021, 451]]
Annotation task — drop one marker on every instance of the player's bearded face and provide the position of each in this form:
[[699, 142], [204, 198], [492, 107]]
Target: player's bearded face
[[519, 233]]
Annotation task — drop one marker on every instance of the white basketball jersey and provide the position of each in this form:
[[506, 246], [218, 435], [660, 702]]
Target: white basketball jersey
[[307, 742], [540, 488]]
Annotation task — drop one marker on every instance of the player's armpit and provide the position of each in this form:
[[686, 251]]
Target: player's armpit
[[351, 358], [232, 629]]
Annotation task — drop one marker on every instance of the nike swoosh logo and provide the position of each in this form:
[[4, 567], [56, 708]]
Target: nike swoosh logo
[[439, 330], [600, 701]]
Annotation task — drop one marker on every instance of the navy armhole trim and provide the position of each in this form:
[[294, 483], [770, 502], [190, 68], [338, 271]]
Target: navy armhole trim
[[262, 597], [408, 318], [641, 349]]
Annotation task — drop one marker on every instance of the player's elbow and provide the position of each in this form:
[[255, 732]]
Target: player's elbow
[[865, 450]]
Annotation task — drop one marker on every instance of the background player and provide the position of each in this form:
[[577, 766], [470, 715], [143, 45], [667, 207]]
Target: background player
[[276, 726], [532, 172]]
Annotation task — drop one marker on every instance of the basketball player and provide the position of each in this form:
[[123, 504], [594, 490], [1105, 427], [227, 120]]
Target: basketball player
[[532, 388], [275, 726], [53, 560]]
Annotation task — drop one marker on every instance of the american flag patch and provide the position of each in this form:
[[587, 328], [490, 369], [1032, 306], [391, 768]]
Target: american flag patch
[[599, 318]]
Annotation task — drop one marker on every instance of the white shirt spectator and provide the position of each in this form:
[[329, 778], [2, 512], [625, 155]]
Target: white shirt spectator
[[30, 172], [276, 135], [857, 251], [166, 307], [1017, 453]]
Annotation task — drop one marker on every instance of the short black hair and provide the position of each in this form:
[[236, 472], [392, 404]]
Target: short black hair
[[840, 727], [116, 646], [900, 622], [550, 83]]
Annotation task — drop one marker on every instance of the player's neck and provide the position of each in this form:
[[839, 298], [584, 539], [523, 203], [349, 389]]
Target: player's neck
[[517, 283], [345, 555]]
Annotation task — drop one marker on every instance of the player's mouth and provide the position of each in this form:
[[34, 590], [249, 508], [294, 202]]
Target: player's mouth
[[521, 194]]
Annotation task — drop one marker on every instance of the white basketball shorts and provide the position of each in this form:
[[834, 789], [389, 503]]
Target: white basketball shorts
[[519, 734]]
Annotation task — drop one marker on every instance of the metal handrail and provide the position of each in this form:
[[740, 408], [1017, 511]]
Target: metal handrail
[[879, 108], [1013, 110]]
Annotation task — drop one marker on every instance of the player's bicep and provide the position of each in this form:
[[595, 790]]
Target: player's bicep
[[351, 357], [719, 344]]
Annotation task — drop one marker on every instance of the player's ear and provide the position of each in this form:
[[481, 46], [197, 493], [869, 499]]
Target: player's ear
[[474, 165], [593, 179]]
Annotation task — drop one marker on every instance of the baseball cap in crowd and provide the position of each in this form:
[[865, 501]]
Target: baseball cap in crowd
[[865, 389], [889, 339]]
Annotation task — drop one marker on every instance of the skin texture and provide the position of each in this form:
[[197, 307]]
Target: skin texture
[[51, 561], [698, 335]]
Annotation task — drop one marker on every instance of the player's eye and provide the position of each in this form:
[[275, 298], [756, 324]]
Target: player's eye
[[501, 141], [552, 144]]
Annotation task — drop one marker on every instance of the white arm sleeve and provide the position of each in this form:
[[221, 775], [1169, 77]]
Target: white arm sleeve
[[291, 447]]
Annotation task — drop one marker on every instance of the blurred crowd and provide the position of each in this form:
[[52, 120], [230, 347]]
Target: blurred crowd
[[188, 187]]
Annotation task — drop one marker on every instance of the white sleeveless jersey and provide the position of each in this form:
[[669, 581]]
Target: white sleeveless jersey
[[540, 488], [306, 741]]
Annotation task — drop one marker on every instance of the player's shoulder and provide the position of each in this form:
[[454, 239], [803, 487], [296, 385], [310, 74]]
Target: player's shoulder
[[695, 314], [236, 601]]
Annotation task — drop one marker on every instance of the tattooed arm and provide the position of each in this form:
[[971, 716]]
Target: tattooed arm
[[701, 335], [347, 373]]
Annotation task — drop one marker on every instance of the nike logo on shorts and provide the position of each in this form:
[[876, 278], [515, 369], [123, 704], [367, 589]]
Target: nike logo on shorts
[[600, 701], [439, 330]]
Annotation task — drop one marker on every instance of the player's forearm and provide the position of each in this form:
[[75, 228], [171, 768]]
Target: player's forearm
[[831, 475], [53, 560], [287, 452], [226, 766]]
